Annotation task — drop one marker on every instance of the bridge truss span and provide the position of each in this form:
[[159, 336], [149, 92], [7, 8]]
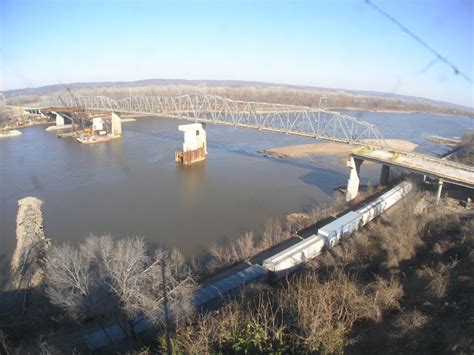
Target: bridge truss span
[[288, 119]]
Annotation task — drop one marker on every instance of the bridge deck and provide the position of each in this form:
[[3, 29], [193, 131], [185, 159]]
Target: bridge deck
[[454, 173]]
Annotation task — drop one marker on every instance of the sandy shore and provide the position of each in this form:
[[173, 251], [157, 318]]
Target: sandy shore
[[12, 133], [126, 116], [454, 114], [57, 128], [332, 148]]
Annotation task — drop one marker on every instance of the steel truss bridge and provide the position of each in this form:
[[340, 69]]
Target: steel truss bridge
[[288, 119]]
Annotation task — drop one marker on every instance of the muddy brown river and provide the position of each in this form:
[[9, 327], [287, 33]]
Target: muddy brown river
[[131, 186]]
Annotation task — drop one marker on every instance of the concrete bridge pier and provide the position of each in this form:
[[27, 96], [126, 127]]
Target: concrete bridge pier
[[195, 144], [440, 189], [116, 125], [384, 175], [59, 119], [353, 182]]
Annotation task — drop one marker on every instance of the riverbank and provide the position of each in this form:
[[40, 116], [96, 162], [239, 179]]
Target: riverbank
[[393, 286], [339, 150], [394, 246], [454, 114], [11, 133], [30, 124], [57, 128]]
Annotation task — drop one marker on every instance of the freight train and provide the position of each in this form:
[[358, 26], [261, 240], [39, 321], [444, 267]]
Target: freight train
[[296, 255], [277, 265], [330, 234]]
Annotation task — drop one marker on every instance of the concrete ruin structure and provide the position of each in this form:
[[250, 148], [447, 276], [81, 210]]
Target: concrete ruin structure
[[194, 145]]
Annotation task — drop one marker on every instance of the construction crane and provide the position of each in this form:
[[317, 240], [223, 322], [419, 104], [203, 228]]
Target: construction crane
[[79, 114]]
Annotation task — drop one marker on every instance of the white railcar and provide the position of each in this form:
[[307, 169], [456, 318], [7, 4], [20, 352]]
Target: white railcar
[[340, 227], [384, 202], [295, 255], [331, 233]]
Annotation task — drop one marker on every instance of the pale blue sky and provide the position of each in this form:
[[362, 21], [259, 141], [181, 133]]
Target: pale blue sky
[[337, 44]]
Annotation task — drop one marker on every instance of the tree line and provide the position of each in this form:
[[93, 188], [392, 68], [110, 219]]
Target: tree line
[[336, 99]]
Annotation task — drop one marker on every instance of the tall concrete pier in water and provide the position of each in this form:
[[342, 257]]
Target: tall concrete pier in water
[[194, 145]]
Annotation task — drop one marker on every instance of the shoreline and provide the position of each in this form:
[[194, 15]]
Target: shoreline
[[399, 111], [339, 150], [57, 128], [11, 133], [40, 123]]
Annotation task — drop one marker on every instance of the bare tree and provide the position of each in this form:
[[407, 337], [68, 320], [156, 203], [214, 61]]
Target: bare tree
[[163, 278], [75, 283], [118, 279]]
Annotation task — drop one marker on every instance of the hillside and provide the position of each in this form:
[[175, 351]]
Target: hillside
[[247, 90]]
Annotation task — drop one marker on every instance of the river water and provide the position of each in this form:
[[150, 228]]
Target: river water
[[131, 186]]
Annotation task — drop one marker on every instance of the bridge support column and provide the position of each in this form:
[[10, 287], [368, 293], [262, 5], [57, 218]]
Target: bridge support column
[[194, 146], [440, 189], [384, 175], [353, 182], [116, 125], [59, 119]]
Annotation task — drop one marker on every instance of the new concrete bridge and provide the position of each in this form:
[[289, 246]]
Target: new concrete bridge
[[436, 168]]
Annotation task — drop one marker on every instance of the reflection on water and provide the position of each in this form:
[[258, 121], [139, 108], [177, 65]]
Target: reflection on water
[[131, 186], [193, 180]]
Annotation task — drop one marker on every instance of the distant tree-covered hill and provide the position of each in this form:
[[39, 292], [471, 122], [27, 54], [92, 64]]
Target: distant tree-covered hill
[[247, 90]]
